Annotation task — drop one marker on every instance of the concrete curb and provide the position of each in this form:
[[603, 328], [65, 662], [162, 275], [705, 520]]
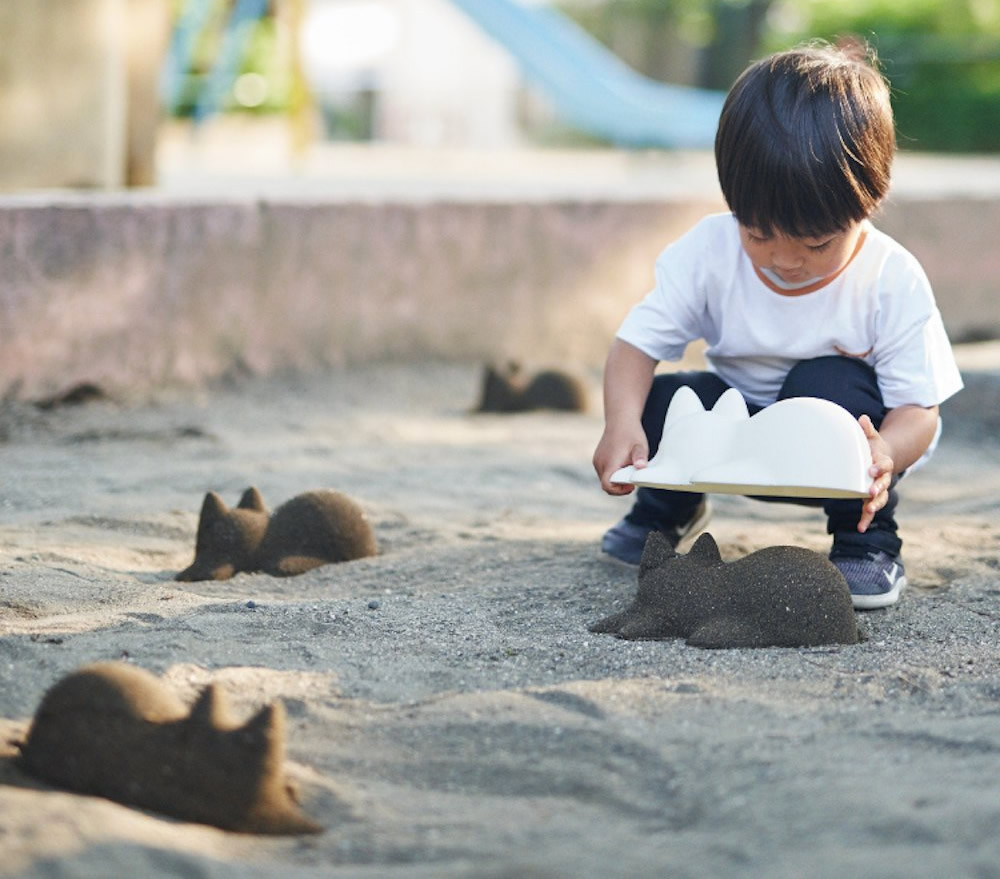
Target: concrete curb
[[142, 290]]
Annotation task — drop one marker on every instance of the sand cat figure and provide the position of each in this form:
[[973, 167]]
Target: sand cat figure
[[781, 596], [510, 391], [116, 731], [312, 529]]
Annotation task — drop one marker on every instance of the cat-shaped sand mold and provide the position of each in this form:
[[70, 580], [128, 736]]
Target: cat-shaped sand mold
[[117, 731], [781, 596], [510, 391], [799, 447], [312, 529]]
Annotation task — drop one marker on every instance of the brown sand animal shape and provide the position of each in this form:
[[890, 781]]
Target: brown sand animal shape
[[510, 391], [312, 529], [76, 395], [117, 731], [781, 596]]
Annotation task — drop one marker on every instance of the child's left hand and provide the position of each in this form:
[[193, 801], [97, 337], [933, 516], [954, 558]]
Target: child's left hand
[[880, 471]]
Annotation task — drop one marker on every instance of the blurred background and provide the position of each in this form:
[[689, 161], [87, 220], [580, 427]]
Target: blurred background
[[194, 189], [112, 93]]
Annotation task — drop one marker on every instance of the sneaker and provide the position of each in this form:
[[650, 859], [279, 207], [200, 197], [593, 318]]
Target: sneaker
[[626, 540], [874, 577]]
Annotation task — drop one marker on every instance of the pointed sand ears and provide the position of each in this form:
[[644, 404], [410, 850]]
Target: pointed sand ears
[[799, 447]]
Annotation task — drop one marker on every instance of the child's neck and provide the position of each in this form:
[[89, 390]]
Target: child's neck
[[786, 285]]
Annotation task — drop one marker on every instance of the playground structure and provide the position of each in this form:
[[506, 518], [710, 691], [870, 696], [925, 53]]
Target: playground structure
[[100, 73], [590, 86], [586, 84]]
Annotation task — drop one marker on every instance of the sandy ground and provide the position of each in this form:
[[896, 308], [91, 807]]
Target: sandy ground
[[449, 713]]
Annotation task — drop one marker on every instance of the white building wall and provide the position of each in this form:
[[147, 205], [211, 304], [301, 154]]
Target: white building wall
[[441, 82], [447, 83]]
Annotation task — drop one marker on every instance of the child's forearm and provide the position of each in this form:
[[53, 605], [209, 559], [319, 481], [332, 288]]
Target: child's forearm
[[908, 431], [628, 376]]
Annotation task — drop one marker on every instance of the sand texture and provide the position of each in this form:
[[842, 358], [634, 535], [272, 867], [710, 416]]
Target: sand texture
[[448, 711]]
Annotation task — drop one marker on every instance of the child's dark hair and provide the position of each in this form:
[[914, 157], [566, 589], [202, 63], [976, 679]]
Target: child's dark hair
[[806, 140]]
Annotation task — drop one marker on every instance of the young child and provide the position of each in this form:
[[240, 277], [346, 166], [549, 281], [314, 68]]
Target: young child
[[796, 295]]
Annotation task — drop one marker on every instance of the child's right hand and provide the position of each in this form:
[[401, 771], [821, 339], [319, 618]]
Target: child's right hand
[[628, 376], [618, 449]]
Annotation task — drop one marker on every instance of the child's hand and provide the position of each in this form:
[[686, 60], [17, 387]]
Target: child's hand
[[880, 471], [616, 450]]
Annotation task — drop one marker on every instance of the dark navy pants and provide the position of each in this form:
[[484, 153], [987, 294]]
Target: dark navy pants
[[844, 380]]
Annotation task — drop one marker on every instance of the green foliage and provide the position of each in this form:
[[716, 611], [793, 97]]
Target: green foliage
[[693, 42], [264, 55], [941, 56]]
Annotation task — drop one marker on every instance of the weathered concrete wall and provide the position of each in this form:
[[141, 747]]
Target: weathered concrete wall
[[137, 291], [955, 240]]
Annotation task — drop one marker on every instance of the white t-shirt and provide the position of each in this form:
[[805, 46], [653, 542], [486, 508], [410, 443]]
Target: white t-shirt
[[879, 308]]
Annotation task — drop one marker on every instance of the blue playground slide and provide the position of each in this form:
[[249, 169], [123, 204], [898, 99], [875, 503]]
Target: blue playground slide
[[590, 86]]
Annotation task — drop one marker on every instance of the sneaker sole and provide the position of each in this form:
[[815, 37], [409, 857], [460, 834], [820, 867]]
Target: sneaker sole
[[884, 599]]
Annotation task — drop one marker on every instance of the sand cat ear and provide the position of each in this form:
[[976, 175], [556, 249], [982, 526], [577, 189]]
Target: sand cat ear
[[252, 500], [657, 551], [731, 405], [705, 549], [210, 709], [268, 726], [270, 717], [212, 508]]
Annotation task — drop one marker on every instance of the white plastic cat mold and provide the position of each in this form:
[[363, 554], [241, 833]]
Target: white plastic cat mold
[[799, 447]]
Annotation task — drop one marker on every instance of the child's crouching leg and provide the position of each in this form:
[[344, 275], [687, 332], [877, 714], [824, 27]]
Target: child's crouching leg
[[870, 561], [847, 381]]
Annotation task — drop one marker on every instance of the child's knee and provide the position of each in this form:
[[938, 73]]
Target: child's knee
[[845, 380]]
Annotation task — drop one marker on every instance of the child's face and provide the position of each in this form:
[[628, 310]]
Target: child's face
[[796, 260]]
